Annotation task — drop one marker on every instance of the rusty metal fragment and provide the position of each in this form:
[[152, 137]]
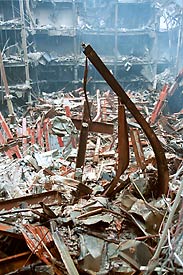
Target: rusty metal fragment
[[83, 137], [159, 104], [98, 127], [49, 197], [9, 230], [40, 242]]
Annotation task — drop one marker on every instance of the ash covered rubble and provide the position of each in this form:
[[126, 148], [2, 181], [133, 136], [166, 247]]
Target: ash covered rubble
[[59, 217], [81, 189]]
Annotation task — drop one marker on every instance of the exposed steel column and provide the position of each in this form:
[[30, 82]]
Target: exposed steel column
[[137, 147], [24, 46], [123, 149], [83, 138], [7, 91], [163, 175]]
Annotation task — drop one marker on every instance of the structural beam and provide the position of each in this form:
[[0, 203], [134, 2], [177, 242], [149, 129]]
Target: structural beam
[[163, 174]]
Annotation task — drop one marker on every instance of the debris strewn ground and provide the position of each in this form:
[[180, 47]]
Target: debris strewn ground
[[58, 217]]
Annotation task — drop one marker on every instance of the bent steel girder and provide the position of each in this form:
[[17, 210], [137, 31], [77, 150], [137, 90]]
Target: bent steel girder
[[163, 174]]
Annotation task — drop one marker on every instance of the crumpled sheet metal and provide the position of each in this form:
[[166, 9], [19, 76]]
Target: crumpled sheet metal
[[98, 256], [62, 125]]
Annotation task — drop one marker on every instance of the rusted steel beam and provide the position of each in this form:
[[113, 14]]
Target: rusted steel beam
[[159, 104], [137, 147], [123, 149], [67, 111], [15, 149], [9, 230], [24, 133], [31, 133], [99, 127], [175, 84], [5, 127], [3, 144], [163, 174], [60, 141], [97, 150], [83, 137], [40, 135], [46, 133], [48, 197], [40, 242], [123, 143], [164, 96], [15, 262]]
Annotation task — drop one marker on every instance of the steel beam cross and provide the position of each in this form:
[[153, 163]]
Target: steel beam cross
[[86, 126]]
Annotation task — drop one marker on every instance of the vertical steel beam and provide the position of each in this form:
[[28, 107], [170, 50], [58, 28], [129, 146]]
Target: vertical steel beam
[[123, 143], [24, 133], [123, 149], [159, 104], [40, 134], [83, 137], [7, 91], [137, 147], [46, 133], [24, 46]]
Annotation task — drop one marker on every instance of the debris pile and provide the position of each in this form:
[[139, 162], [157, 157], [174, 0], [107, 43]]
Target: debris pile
[[79, 188]]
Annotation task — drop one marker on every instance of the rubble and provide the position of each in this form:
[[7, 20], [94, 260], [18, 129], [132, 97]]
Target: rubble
[[91, 174], [99, 216]]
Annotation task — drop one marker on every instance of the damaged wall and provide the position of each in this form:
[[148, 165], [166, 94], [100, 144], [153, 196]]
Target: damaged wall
[[56, 14], [55, 30]]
